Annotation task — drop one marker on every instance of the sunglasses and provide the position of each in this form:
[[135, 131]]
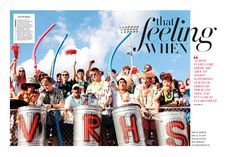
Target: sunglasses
[[21, 71], [76, 88], [93, 74], [65, 75]]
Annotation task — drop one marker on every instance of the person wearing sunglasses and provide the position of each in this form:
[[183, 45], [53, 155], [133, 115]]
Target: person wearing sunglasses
[[102, 91], [18, 78], [66, 84], [79, 78]]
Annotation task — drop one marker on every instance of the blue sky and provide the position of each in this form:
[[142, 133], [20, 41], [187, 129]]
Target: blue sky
[[95, 34]]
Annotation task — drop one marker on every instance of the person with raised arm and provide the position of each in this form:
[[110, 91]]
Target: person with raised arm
[[79, 79], [18, 77], [87, 75], [102, 91]]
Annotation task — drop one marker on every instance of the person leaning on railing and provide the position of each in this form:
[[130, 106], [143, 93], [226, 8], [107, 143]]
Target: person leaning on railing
[[144, 96], [51, 98], [71, 102]]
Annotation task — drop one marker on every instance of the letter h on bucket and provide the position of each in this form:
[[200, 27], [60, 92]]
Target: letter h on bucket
[[128, 125]]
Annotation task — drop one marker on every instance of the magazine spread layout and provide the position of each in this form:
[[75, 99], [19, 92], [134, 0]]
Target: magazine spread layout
[[107, 77]]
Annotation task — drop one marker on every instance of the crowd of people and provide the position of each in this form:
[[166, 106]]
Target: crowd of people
[[93, 87]]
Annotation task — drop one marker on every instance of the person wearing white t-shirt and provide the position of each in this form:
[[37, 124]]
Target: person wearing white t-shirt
[[72, 101], [120, 95]]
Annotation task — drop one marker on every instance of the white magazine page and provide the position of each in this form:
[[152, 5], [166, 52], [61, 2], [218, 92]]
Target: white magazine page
[[205, 55]]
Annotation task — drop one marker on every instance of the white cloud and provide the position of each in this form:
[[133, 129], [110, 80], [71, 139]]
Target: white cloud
[[132, 17], [99, 40], [45, 64], [28, 64], [175, 58]]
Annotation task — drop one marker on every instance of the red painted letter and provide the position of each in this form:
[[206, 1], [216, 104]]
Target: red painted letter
[[91, 122], [29, 136], [170, 140], [132, 128]]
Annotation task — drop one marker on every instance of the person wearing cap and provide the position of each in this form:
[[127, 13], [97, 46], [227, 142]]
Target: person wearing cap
[[28, 91], [72, 101], [144, 96], [154, 80]]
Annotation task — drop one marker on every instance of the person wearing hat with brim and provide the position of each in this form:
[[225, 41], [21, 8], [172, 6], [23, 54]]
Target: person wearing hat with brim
[[144, 96], [148, 74], [28, 91]]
